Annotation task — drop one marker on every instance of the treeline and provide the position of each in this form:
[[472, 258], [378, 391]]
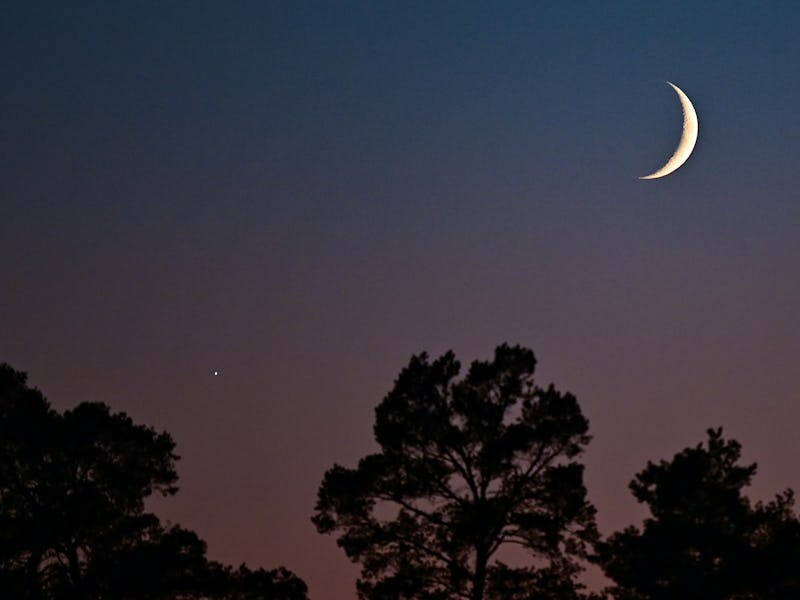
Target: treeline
[[468, 464], [73, 524]]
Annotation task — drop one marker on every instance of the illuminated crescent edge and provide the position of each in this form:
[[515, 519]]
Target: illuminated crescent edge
[[688, 138]]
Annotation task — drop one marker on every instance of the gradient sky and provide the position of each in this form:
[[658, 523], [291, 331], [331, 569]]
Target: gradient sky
[[302, 195]]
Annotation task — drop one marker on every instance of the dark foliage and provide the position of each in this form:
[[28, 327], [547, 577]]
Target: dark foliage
[[73, 523], [276, 584], [465, 467], [705, 540]]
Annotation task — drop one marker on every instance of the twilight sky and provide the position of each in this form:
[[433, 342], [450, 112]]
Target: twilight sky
[[301, 195]]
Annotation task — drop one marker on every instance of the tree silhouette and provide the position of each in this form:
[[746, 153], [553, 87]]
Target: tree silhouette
[[149, 561], [705, 540], [466, 466], [773, 572], [73, 523], [70, 484], [275, 584]]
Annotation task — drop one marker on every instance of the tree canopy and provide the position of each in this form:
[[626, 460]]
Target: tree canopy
[[466, 466], [705, 540], [73, 523]]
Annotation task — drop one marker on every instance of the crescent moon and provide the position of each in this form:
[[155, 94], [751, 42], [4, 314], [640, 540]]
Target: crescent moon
[[688, 138]]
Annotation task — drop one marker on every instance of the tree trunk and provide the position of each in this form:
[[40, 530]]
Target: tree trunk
[[479, 581]]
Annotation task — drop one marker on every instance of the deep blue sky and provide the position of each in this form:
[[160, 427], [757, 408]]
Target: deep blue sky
[[301, 195]]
